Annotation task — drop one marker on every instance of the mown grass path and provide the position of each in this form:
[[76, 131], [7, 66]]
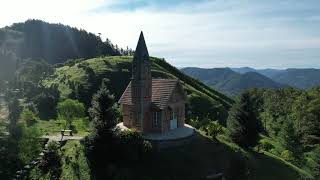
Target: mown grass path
[[3, 114], [65, 138]]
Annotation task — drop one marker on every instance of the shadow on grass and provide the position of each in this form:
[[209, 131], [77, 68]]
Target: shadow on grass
[[266, 167], [195, 160]]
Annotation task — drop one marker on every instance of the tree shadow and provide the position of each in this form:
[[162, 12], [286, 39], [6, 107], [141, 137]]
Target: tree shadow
[[267, 167]]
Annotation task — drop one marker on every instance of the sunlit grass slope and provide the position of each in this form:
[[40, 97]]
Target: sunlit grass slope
[[118, 70]]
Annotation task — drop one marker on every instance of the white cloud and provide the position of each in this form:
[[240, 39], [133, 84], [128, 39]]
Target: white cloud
[[211, 33]]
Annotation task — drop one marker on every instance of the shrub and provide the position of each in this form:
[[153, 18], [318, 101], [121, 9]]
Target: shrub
[[51, 161], [265, 145], [132, 145], [114, 150], [213, 129], [29, 117], [287, 155]]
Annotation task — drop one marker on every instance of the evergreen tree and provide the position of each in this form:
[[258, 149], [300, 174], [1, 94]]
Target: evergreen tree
[[103, 111], [104, 116], [289, 139], [15, 110], [242, 124]]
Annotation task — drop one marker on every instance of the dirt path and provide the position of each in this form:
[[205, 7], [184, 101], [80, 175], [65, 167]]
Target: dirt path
[[65, 138], [3, 114], [3, 108]]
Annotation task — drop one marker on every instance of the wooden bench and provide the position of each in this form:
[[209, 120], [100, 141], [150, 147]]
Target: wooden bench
[[66, 131]]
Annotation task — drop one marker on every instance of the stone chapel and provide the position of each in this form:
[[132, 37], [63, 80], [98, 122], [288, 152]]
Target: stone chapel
[[151, 105]]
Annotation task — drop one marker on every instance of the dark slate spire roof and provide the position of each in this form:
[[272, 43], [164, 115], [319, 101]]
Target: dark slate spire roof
[[141, 50], [141, 46], [161, 92], [140, 58]]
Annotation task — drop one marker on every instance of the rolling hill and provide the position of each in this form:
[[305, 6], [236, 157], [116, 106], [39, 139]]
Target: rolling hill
[[230, 82], [54, 43], [82, 78]]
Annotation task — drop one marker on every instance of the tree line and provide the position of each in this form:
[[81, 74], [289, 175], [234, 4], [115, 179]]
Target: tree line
[[291, 117]]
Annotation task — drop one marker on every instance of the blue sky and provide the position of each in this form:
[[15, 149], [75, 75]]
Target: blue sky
[[203, 33]]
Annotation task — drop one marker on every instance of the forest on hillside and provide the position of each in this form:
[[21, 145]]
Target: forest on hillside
[[54, 43], [291, 118]]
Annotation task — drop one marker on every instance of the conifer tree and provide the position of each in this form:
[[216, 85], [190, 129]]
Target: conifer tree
[[14, 115], [242, 123], [289, 139], [102, 111]]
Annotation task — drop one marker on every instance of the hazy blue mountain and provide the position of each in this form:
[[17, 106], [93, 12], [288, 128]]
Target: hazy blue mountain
[[243, 70], [229, 81], [270, 73], [300, 78]]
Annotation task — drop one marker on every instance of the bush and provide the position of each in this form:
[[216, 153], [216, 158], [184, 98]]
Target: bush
[[132, 145], [265, 145], [213, 129], [114, 150], [287, 155], [29, 117], [51, 162]]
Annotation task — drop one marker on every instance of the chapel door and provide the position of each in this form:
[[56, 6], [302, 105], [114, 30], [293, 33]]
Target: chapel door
[[173, 121]]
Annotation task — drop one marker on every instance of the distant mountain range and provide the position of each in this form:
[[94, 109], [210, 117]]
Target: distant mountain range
[[232, 81], [299, 78], [270, 73]]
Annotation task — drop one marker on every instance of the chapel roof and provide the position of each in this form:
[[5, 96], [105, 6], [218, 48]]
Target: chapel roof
[[161, 92]]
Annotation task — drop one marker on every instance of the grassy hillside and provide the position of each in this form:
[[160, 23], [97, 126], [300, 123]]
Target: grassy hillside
[[229, 81], [80, 79]]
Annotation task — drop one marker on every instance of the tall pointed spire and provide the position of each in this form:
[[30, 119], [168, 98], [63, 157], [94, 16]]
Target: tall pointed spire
[[140, 62], [141, 49]]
